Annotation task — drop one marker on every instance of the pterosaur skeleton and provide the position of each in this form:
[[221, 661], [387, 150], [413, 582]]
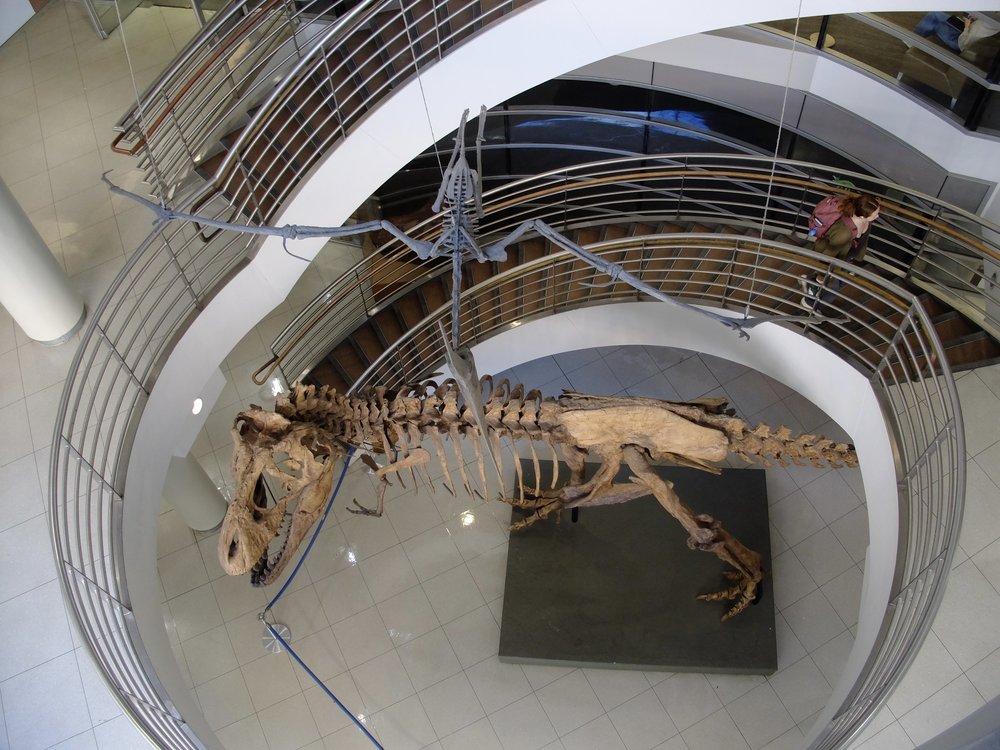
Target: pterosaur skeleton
[[460, 194]]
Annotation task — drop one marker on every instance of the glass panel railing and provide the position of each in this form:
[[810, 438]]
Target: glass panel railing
[[924, 54]]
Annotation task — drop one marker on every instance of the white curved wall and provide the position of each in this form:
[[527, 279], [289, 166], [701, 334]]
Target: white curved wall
[[536, 44]]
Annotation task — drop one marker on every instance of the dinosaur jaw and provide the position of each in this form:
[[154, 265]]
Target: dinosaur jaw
[[250, 531], [269, 567]]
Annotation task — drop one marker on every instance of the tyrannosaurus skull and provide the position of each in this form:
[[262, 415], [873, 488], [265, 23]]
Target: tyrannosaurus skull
[[298, 457]]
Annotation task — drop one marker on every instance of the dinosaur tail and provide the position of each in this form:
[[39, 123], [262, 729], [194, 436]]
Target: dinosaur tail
[[762, 445]]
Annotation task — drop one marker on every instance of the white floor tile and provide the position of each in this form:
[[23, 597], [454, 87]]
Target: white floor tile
[[344, 594], [688, 698], [966, 622], [599, 734], [981, 522], [26, 546], [729, 687], [715, 731], [497, 684], [453, 594], [34, 628], [288, 725], [408, 615], [225, 699], [832, 656], [615, 686], [329, 717], [523, 725], [760, 716], [270, 680], [813, 620], [195, 612], [986, 676], [823, 556], [642, 722], [429, 659], [301, 611], [362, 637], [802, 688], [182, 571], [404, 726], [791, 580], [101, 704], [569, 702], [474, 636], [382, 681], [795, 518], [479, 735], [120, 732], [432, 553], [451, 704], [245, 733], [832, 497], [388, 573], [844, 594], [952, 703], [209, 655], [33, 718]]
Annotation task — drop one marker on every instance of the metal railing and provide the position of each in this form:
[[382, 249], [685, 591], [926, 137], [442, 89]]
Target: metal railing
[[165, 283], [963, 85], [327, 73], [881, 329], [929, 244]]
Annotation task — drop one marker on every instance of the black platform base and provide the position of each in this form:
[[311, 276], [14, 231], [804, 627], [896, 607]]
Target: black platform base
[[617, 586]]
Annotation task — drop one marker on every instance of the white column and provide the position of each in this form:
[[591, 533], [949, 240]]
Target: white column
[[34, 289], [191, 492]]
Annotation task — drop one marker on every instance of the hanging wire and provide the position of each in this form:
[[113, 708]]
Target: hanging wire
[[277, 636], [140, 110], [423, 94], [774, 156]]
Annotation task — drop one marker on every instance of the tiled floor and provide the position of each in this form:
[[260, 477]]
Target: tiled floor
[[399, 615]]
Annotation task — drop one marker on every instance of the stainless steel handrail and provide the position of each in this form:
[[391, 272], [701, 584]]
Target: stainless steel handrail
[[934, 246], [130, 334], [888, 336]]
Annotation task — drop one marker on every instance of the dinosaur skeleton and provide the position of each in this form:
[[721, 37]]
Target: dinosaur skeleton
[[298, 444]]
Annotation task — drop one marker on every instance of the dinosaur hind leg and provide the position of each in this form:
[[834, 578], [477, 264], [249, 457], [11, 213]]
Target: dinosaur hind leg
[[707, 535]]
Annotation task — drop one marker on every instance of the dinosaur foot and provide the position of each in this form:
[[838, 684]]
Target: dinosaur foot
[[745, 591]]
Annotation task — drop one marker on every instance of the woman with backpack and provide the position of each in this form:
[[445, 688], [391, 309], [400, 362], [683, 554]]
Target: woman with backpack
[[840, 226]]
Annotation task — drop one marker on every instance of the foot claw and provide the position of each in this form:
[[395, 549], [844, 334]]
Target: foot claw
[[745, 592]]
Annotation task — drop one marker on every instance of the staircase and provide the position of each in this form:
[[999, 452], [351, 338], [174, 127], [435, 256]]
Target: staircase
[[402, 309]]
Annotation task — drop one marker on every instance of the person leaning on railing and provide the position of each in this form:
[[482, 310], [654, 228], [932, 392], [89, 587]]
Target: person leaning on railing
[[846, 239], [962, 34]]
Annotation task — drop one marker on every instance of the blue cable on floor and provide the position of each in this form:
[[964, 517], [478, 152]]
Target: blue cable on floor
[[295, 570]]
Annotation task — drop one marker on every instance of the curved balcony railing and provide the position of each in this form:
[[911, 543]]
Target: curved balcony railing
[[885, 333], [963, 84], [168, 279], [931, 245], [324, 74]]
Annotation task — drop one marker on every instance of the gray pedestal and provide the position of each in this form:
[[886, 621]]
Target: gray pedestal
[[617, 587]]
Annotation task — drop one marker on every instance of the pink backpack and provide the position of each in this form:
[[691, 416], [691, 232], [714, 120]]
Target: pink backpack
[[825, 215]]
